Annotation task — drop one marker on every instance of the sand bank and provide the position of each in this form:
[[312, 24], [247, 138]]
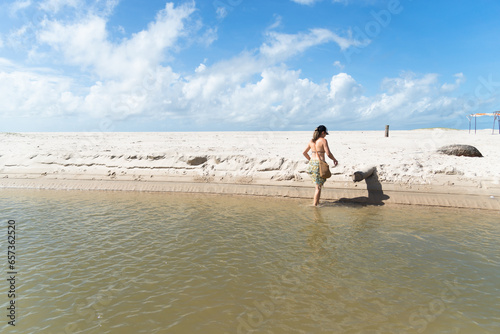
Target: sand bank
[[409, 170]]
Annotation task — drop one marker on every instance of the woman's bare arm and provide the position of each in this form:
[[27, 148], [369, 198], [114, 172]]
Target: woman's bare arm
[[305, 153], [329, 153]]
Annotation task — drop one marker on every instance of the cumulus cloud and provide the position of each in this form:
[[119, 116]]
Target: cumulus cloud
[[254, 89], [411, 98], [87, 43], [39, 95], [281, 98], [344, 87], [278, 94], [130, 78], [158, 91]]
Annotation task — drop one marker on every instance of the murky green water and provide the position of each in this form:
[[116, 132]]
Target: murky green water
[[116, 262]]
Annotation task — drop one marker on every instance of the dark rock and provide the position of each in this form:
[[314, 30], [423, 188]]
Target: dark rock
[[156, 157], [197, 161], [460, 150]]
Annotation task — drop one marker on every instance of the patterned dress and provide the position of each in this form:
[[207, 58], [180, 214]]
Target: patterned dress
[[313, 170]]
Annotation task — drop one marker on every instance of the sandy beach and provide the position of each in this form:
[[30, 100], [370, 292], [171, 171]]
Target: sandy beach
[[408, 168]]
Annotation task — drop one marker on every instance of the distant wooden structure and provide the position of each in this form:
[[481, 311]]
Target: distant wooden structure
[[496, 118]]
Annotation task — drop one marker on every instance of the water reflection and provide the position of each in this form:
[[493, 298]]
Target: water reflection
[[320, 232]]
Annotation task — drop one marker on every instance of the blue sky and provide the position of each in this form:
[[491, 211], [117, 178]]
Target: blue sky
[[227, 65]]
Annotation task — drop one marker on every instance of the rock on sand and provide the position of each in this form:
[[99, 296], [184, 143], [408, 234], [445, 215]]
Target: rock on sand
[[460, 150]]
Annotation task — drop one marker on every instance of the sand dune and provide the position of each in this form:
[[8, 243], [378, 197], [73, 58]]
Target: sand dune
[[409, 170]]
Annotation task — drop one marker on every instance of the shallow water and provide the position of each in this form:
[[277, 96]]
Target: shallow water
[[117, 262]]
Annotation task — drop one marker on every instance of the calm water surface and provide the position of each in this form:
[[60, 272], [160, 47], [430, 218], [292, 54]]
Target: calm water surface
[[117, 262]]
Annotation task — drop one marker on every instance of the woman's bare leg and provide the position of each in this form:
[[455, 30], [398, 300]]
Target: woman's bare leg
[[317, 195]]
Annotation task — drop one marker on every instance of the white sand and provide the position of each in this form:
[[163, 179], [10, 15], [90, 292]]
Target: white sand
[[263, 163]]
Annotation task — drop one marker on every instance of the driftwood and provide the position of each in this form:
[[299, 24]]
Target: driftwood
[[363, 174], [460, 150]]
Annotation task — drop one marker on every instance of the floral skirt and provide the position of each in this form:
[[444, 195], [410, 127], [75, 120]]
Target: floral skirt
[[313, 170]]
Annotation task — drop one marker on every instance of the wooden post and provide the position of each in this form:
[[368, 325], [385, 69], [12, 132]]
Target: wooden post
[[363, 174], [387, 130]]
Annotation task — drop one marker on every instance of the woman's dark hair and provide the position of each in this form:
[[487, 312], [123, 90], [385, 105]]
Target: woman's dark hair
[[318, 131]]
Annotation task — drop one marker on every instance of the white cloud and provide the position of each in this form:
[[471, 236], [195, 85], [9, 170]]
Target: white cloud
[[109, 6], [306, 2], [277, 22], [22, 38], [254, 89], [120, 99], [95, 7], [87, 43], [221, 12], [224, 76], [201, 68], [19, 5], [25, 93], [55, 6], [6, 64], [121, 29], [460, 79], [338, 64], [410, 98], [208, 37], [312, 2], [131, 79], [281, 98], [282, 46], [343, 87], [228, 93]]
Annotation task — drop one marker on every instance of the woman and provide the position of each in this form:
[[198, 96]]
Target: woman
[[319, 147]]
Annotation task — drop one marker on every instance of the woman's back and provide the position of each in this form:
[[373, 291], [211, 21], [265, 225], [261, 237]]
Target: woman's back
[[318, 148]]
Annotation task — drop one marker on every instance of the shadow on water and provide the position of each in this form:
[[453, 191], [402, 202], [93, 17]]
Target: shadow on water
[[375, 196]]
